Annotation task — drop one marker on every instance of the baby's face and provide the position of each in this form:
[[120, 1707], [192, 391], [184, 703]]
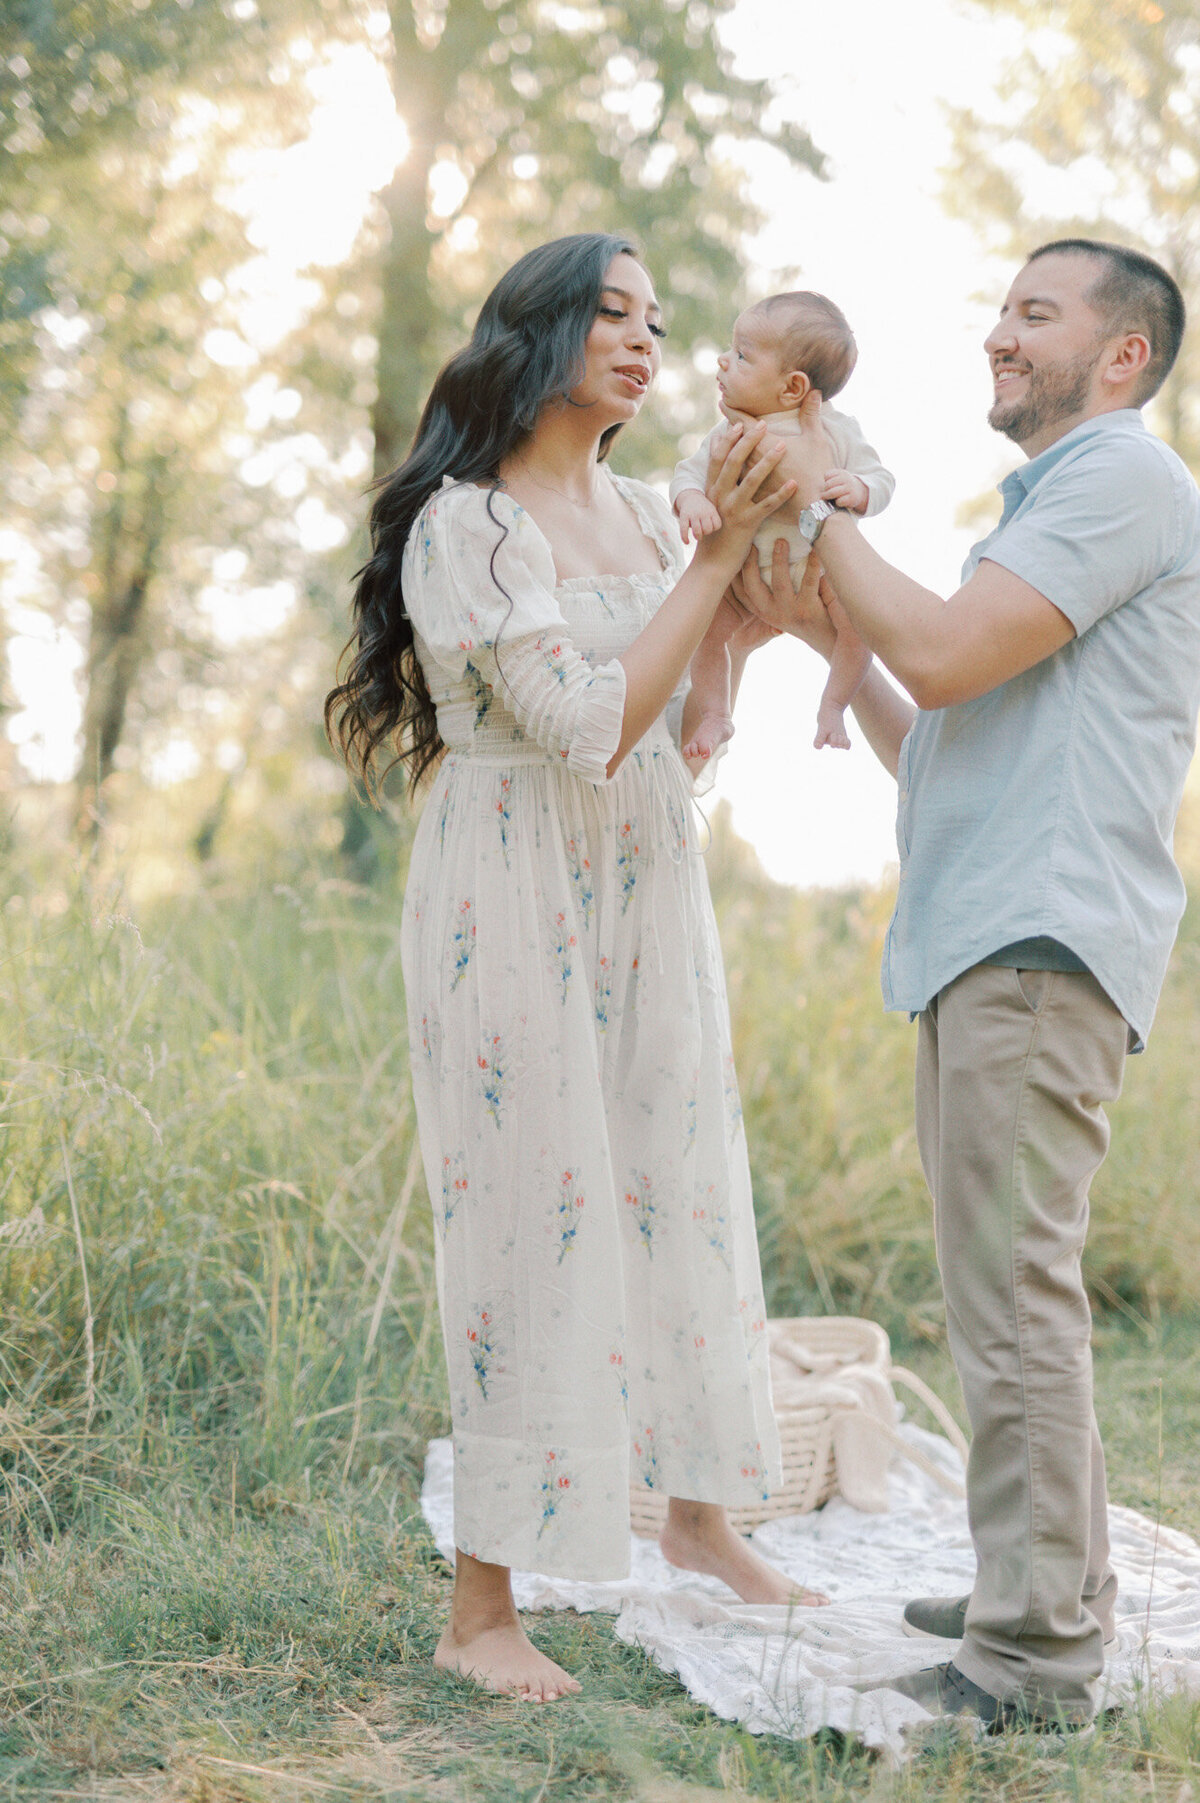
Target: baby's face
[[752, 375]]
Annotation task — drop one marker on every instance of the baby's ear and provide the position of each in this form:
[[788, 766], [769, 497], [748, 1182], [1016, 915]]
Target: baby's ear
[[796, 388]]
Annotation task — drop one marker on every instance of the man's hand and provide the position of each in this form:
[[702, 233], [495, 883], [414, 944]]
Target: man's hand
[[810, 454], [696, 515], [803, 611], [845, 490]]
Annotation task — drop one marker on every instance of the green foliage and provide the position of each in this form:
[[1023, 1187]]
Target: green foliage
[[1097, 134], [617, 116], [220, 1359]]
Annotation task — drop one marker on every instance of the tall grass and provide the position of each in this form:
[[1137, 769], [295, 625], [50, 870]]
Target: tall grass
[[214, 1256], [216, 1276]]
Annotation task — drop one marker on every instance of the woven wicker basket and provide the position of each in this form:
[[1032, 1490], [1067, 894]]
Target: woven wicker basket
[[805, 1352]]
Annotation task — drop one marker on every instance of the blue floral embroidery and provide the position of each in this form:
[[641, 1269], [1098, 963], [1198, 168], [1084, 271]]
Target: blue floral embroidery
[[504, 814], [482, 1348], [463, 943], [627, 859], [647, 1456], [570, 1202], [713, 1223], [493, 1074], [581, 877], [454, 1188], [603, 996], [564, 947], [640, 1198], [556, 1483]]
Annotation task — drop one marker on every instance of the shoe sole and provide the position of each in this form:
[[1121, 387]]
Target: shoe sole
[[915, 1633]]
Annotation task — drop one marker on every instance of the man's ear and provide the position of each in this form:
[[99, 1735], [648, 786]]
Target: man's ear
[[1128, 360], [796, 387]]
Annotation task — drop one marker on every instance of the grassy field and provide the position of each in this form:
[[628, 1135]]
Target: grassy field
[[220, 1362]]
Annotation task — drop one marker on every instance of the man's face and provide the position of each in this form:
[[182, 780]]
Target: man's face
[[1045, 351]]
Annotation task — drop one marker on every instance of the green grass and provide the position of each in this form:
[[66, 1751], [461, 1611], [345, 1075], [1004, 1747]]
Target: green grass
[[219, 1353]]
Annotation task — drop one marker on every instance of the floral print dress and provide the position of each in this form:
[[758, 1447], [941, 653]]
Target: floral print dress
[[598, 1272]]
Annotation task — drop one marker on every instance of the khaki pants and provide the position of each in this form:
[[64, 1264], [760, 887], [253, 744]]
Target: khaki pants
[[1012, 1070]]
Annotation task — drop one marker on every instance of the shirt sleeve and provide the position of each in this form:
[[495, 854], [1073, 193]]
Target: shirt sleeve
[[692, 472], [860, 458], [1102, 526], [479, 586]]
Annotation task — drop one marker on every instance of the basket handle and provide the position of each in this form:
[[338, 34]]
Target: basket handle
[[951, 1485], [936, 1407]]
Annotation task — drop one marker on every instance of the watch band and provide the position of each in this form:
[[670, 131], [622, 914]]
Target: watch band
[[812, 519]]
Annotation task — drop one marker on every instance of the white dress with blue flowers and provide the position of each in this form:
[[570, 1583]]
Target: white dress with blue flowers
[[578, 1111]]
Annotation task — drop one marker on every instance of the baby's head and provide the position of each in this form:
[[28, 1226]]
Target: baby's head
[[782, 347]]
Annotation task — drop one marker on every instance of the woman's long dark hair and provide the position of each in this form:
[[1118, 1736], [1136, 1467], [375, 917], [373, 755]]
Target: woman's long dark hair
[[527, 349]]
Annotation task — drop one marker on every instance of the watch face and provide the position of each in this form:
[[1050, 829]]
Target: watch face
[[809, 524]]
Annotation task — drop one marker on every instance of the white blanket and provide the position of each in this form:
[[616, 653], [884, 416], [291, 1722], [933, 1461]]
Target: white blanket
[[790, 1672]]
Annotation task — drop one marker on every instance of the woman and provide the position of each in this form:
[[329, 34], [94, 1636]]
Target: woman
[[601, 1301]]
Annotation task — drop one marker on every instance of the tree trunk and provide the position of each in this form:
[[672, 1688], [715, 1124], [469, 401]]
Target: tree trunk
[[117, 644]]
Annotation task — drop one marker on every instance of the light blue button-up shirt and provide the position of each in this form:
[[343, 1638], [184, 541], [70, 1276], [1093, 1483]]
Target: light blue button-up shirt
[[1046, 808]]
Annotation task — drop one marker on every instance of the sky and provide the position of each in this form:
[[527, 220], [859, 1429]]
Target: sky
[[915, 285], [920, 296]]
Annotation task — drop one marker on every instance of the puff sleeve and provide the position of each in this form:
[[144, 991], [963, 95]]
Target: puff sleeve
[[479, 585]]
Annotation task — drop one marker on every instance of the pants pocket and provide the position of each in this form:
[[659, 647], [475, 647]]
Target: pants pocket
[[1033, 985]]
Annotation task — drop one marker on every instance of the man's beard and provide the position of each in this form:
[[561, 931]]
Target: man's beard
[[1052, 394]]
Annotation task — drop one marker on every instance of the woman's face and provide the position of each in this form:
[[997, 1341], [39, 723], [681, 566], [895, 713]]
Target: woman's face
[[623, 349]]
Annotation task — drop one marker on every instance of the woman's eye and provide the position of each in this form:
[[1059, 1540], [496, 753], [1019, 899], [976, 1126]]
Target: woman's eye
[[657, 331], [612, 313]]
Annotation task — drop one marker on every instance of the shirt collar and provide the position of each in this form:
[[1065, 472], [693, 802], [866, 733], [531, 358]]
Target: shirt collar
[[1022, 481]]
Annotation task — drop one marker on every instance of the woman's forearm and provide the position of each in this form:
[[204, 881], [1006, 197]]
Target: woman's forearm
[[662, 651]]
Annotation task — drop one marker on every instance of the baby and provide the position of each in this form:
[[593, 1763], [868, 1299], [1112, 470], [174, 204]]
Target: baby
[[786, 346]]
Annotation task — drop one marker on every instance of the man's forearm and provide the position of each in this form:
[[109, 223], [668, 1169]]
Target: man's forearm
[[897, 617]]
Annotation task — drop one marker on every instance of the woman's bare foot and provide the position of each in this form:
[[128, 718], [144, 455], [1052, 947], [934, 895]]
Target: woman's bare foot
[[698, 1537], [713, 730], [484, 1638], [505, 1660]]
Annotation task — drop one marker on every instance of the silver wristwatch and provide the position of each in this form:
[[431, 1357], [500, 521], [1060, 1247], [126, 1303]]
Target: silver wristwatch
[[813, 518]]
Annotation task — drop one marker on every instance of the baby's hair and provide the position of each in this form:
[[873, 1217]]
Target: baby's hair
[[814, 337]]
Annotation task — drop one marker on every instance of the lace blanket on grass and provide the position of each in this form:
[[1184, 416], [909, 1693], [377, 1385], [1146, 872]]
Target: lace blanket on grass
[[790, 1672]]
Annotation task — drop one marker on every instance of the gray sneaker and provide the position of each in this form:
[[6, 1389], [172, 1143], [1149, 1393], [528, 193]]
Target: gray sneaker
[[944, 1618], [936, 1617], [945, 1691]]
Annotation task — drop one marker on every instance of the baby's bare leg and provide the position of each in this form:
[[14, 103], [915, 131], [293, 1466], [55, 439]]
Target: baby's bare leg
[[847, 667], [711, 703]]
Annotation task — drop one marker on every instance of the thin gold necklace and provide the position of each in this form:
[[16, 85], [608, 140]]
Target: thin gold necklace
[[524, 473]]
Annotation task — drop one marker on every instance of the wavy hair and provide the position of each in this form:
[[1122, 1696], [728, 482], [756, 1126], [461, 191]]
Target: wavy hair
[[527, 350]]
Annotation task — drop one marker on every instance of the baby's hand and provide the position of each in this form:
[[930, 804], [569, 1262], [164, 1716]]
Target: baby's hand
[[697, 515], [845, 490]]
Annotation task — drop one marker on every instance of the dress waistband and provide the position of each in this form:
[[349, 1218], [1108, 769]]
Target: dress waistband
[[495, 750]]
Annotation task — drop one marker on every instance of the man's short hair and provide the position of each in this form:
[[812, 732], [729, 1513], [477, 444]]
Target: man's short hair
[[814, 336], [1132, 293]]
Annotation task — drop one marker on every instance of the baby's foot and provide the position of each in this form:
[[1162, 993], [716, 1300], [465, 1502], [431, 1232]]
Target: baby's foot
[[704, 1541], [505, 1660], [831, 728], [713, 730]]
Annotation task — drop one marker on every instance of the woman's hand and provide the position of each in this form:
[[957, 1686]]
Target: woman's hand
[[803, 611], [738, 474]]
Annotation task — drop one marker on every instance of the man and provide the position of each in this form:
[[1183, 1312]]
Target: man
[[1040, 775]]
